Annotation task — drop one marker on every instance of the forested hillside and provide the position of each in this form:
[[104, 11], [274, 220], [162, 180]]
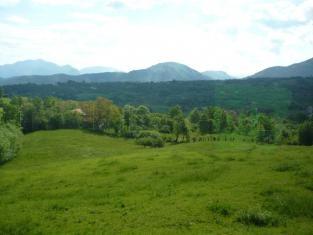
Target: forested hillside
[[285, 97]]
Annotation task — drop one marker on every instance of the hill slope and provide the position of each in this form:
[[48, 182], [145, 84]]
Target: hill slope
[[73, 182], [35, 67], [302, 69]]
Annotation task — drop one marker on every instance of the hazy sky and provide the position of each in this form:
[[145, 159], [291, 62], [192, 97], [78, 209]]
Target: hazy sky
[[237, 36]]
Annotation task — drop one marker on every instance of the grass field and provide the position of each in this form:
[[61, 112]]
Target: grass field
[[74, 182]]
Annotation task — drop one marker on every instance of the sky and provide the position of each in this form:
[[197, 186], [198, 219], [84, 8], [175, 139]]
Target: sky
[[240, 37]]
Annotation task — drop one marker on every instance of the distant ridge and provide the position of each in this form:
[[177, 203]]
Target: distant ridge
[[217, 75], [161, 72], [35, 67], [43, 72], [302, 69], [98, 69]]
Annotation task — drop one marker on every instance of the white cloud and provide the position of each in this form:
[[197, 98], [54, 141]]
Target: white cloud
[[6, 3], [17, 19]]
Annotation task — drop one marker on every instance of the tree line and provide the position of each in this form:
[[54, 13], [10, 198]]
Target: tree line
[[148, 128]]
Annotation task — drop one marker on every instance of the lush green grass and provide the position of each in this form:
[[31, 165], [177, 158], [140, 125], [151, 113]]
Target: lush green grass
[[73, 182]]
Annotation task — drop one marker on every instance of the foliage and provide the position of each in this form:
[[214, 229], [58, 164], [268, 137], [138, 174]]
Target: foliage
[[265, 130], [10, 142], [103, 116], [150, 138]]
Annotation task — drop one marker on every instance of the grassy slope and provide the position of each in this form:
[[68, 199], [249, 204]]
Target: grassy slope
[[75, 182]]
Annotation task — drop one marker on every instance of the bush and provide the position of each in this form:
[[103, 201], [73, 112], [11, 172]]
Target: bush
[[150, 138], [221, 209], [9, 141], [257, 218]]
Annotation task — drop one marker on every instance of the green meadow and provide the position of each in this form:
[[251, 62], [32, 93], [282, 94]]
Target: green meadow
[[75, 182]]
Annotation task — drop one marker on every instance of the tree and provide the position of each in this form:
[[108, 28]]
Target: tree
[[166, 124], [265, 130], [56, 121], [245, 124], [181, 127], [10, 111], [175, 112], [10, 141], [306, 133], [231, 122], [206, 126], [194, 116], [223, 121], [143, 116], [73, 119], [129, 117], [107, 115]]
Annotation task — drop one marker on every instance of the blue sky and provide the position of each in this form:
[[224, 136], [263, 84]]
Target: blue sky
[[239, 37]]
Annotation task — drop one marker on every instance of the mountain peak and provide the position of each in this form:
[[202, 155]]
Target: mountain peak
[[166, 71], [168, 63]]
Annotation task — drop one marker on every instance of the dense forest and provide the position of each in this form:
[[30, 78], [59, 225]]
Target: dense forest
[[289, 97]]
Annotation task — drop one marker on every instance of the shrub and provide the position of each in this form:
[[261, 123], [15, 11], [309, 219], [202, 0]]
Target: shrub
[[222, 209], [9, 141], [257, 218], [150, 138]]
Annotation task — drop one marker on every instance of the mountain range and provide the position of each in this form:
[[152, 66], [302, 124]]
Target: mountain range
[[44, 72], [42, 67], [168, 71], [35, 67]]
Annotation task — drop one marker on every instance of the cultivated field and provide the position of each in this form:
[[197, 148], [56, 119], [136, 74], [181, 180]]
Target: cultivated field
[[75, 182]]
